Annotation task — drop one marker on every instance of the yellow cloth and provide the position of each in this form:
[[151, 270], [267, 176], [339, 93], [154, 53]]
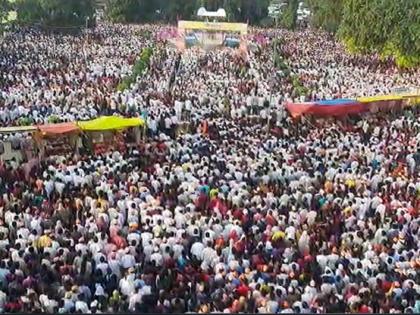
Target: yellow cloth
[[185, 166], [350, 183], [110, 123], [380, 98], [278, 235], [214, 192], [44, 241], [328, 187], [347, 210]]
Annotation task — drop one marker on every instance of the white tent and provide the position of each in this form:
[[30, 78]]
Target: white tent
[[221, 13]]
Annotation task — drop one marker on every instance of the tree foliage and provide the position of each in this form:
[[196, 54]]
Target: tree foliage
[[247, 10], [129, 11], [174, 10], [326, 14], [56, 13], [123, 11], [4, 10], [139, 68], [288, 16], [389, 27], [251, 11], [29, 11]]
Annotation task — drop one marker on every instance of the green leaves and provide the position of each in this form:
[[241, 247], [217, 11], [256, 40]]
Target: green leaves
[[326, 14], [124, 11], [56, 13], [4, 10], [174, 10], [53, 119], [288, 17], [139, 68], [29, 11], [389, 27], [127, 11], [25, 121]]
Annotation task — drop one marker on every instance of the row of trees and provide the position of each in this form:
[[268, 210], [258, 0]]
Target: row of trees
[[5, 7], [388, 27], [55, 13], [326, 14], [288, 17], [65, 13], [164, 10]]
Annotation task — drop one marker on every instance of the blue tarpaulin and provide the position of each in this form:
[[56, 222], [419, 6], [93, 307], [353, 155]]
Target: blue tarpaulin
[[338, 101]]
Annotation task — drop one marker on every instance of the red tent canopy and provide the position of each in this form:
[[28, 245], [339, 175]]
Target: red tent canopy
[[338, 107], [58, 129]]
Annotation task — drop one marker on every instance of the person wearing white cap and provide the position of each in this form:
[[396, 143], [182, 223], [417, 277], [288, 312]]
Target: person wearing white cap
[[156, 258]]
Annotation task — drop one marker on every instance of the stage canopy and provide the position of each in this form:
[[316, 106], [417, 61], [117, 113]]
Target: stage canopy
[[221, 13], [110, 123]]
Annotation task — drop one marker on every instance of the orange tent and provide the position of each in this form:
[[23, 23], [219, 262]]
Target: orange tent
[[58, 129]]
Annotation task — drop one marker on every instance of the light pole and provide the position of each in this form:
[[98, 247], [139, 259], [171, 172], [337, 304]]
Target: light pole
[[269, 105], [86, 39]]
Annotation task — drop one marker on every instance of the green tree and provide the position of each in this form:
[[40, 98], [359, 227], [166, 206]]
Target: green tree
[[29, 11], [182, 10], [389, 27], [128, 11], [4, 10], [254, 11], [213, 5], [326, 14], [57, 13], [288, 16], [171, 10], [124, 11], [67, 13], [233, 10], [246, 10]]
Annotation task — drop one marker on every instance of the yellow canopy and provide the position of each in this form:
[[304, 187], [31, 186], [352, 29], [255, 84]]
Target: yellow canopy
[[412, 98], [110, 123], [17, 129], [380, 98], [407, 95]]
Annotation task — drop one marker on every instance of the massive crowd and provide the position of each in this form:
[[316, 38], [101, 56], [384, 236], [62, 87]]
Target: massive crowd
[[245, 211]]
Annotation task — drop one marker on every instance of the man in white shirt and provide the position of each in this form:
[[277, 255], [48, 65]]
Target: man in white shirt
[[197, 250], [126, 284]]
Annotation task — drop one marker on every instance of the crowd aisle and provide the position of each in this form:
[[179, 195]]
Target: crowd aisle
[[230, 216]]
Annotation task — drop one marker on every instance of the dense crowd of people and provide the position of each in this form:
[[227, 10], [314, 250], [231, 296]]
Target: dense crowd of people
[[246, 210], [329, 72]]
